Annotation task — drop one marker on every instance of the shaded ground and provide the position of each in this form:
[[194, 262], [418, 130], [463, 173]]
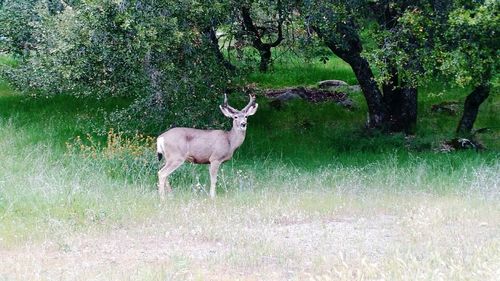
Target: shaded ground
[[309, 94]]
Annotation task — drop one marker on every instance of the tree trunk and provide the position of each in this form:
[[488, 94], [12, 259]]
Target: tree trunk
[[407, 121], [350, 52], [401, 102], [263, 48], [214, 43], [402, 109], [265, 58], [392, 93], [400, 98], [376, 108], [389, 88], [471, 108]]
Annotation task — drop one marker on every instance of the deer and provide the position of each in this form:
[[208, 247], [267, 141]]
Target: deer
[[179, 145]]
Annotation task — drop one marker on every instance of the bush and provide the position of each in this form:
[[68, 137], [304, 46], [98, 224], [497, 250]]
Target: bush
[[150, 53], [121, 156]]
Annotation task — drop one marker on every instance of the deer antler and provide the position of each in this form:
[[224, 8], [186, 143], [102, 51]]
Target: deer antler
[[250, 103], [226, 105]]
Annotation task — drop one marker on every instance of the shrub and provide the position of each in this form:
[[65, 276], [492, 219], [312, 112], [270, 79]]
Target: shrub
[[149, 52], [121, 156]]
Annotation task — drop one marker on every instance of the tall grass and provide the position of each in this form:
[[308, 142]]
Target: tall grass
[[53, 181]]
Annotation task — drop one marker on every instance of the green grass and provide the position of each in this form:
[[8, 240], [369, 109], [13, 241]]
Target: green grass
[[308, 171], [295, 72], [313, 148]]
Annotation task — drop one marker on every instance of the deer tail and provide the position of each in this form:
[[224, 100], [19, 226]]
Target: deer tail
[[159, 148]]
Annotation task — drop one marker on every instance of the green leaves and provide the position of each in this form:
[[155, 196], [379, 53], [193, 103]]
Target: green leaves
[[152, 52], [17, 19], [469, 51]]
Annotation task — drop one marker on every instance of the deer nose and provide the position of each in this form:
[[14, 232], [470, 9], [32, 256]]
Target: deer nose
[[243, 124]]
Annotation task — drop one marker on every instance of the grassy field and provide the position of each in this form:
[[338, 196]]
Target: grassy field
[[309, 196]]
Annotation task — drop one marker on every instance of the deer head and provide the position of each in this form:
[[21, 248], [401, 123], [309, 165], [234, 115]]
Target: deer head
[[239, 116]]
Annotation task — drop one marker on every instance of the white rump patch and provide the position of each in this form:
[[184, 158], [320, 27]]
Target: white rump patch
[[159, 145]]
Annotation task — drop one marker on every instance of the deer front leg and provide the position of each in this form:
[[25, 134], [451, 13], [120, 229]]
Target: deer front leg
[[214, 168]]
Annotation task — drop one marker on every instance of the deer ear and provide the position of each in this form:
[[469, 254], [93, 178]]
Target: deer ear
[[251, 111], [226, 111]]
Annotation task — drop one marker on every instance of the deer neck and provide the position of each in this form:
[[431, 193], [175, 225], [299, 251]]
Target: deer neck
[[236, 138]]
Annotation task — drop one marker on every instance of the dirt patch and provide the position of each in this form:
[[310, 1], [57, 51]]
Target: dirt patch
[[295, 245], [275, 241]]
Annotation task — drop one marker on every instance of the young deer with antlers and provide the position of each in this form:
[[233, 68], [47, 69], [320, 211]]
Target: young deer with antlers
[[212, 147]]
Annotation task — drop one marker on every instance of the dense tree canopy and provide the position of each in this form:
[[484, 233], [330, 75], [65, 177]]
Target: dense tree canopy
[[153, 51], [167, 55], [16, 19], [468, 53]]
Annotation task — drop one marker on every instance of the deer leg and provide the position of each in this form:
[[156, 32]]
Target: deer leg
[[169, 168], [214, 168]]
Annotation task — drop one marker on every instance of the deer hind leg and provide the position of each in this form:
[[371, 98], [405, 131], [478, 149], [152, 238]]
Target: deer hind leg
[[214, 168], [170, 166]]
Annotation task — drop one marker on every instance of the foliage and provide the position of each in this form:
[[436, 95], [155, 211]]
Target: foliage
[[150, 52], [393, 34], [17, 18], [164, 56], [262, 25], [120, 156], [402, 41], [405, 40], [469, 51]]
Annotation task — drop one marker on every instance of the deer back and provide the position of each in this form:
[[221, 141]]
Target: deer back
[[194, 145]]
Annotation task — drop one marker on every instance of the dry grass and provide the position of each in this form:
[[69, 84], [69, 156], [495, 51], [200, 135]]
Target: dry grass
[[313, 235], [67, 217]]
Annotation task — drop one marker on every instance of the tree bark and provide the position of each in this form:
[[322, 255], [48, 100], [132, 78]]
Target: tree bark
[[407, 117], [264, 49], [471, 108], [214, 43], [350, 52], [402, 109], [401, 102], [389, 88], [376, 108], [392, 92], [265, 59], [400, 98]]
